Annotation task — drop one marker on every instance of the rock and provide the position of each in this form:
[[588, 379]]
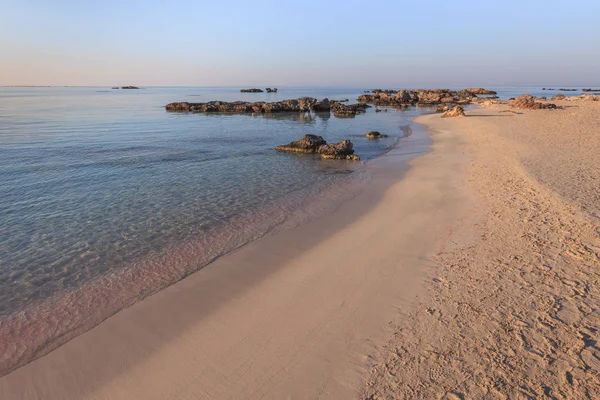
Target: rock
[[129, 87], [558, 97], [338, 151], [115, 87], [568, 90], [528, 102], [323, 105], [590, 90], [375, 135], [269, 90], [350, 110], [480, 91], [457, 111], [308, 144], [442, 108], [254, 90], [312, 144], [302, 104]]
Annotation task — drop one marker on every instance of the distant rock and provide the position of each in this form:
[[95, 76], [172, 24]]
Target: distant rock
[[568, 90], [457, 111], [481, 91], [116, 87], [547, 89], [528, 102], [271, 90], [254, 90], [590, 90], [375, 135], [323, 105], [312, 144], [129, 87]]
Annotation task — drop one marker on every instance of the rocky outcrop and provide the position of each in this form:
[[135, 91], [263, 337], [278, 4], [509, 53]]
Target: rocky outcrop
[[254, 90], [481, 91], [129, 87], [312, 144], [457, 111], [547, 89], [402, 98], [558, 97], [590, 90], [568, 90], [350, 110], [528, 102], [301, 104], [375, 135], [271, 90], [323, 105]]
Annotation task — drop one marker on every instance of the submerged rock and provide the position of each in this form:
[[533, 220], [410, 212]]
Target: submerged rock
[[528, 102], [457, 111], [254, 90], [129, 87], [375, 135], [313, 144]]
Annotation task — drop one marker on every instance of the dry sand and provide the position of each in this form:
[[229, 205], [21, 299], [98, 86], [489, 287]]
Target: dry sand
[[299, 314], [514, 311]]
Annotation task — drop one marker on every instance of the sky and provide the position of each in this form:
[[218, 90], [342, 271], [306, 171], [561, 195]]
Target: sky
[[301, 43]]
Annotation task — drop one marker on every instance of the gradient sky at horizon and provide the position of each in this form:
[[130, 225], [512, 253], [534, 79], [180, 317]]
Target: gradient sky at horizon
[[316, 43]]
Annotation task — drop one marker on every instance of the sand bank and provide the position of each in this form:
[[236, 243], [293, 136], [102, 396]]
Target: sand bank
[[513, 311], [299, 314]]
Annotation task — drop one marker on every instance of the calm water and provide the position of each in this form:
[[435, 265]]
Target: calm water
[[93, 179]]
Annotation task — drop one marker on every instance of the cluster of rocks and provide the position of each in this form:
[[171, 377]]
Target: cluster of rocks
[[590, 90], [528, 102], [301, 104], [313, 144], [568, 90], [271, 90], [457, 111], [253, 90], [402, 98]]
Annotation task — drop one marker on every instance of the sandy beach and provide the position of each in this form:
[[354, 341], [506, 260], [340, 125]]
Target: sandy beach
[[299, 314], [473, 274], [513, 310]]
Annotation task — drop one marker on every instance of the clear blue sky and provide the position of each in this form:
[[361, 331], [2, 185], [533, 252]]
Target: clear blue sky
[[325, 43]]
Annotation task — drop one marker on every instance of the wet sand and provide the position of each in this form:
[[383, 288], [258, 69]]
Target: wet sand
[[513, 309], [298, 314]]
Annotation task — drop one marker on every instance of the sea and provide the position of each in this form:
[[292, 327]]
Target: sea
[[106, 198]]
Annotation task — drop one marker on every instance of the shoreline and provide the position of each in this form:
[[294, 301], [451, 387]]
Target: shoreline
[[299, 284]]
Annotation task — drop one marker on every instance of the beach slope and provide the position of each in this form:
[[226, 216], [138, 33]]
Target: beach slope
[[513, 312]]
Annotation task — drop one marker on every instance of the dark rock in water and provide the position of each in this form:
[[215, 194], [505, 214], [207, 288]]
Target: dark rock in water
[[312, 144], [480, 91], [590, 90], [350, 110], [339, 151], [115, 87], [403, 98], [308, 144], [254, 90], [129, 87], [375, 135], [302, 104], [558, 97], [457, 111], [568, 90], [528, 102], [547, 89], [323, 105], [442, 108], [271, 90]]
